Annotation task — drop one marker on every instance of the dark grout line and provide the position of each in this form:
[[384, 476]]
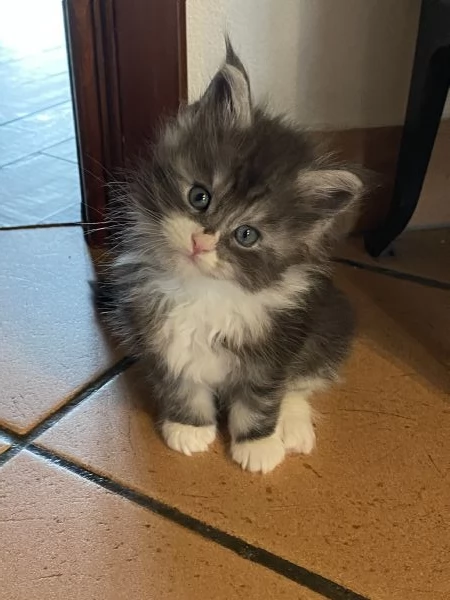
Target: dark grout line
[[20, 442], [64, 208], [9, 435], [69, 139], [80, 396], [313, 581], [10, 453], [66, 160], [425, 281], [40, 226], [39, 152], [36, 112]]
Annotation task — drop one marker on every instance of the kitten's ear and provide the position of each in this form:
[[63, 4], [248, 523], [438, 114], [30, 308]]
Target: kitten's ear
[[331, 191], [228, 95]]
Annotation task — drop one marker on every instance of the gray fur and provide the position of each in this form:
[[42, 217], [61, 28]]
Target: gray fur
[[260, 171]]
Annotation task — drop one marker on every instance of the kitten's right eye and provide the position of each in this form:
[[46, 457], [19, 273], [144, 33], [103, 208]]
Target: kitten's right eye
[[199, 198]]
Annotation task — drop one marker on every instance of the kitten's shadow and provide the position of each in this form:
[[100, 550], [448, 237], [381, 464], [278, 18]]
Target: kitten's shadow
[[407, 328]]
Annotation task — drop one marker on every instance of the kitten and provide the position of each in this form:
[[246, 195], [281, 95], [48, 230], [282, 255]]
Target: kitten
[[220, 281]]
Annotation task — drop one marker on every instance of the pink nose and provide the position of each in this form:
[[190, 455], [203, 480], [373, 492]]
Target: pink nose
[[203, 242]]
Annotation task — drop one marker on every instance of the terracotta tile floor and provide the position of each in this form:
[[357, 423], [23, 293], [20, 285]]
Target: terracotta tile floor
[[412, 256], [94, 506]]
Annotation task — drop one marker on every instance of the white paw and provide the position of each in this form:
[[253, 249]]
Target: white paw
[[259, 455], [188, 438], [298, 436], [295, 426]]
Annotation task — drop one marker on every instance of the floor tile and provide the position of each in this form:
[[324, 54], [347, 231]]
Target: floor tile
[[51, 342], [409, 323], [40, 189], [4, 445], [35, 67], [366, 508], [63, 537], [66, 150], [34, 83], [35, 133], [425, 253], [33, 96]]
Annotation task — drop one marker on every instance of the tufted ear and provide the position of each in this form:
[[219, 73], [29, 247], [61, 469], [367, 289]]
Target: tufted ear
[[331, 191], [228, 95], [333, 198]]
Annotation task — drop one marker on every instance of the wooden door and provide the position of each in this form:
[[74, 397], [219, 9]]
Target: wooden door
[[128, 69]]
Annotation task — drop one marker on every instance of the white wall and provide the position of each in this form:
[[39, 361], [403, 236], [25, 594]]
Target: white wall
[[329, 63]]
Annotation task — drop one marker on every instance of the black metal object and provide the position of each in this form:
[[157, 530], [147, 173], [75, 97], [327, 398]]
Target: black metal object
[[429, 86]]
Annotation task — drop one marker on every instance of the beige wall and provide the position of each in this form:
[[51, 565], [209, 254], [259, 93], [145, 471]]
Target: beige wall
[[331, 64]]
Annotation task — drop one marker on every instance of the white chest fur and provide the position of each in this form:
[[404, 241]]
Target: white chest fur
[[192, 347], [201, 312]]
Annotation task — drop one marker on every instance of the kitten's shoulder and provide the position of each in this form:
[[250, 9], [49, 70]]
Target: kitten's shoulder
[[322, 308], [329, 312]]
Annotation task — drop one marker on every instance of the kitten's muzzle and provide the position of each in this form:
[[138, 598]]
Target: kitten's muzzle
[[203, 242]]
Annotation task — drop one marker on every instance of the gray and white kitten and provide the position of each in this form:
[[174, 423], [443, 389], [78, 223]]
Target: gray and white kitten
[[220, 282]]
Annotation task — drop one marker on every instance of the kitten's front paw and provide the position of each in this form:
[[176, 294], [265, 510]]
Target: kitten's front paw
[[298, 436], [188, 439], [295, 426], [261, 455]]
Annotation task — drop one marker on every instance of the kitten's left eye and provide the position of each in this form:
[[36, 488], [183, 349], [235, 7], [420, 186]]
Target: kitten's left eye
[[199, 198], [246, 236]]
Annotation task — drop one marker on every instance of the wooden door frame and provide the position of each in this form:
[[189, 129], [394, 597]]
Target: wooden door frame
[[128, 68]]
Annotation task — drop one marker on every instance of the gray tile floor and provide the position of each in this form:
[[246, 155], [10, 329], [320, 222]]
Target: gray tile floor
[[39, 180]]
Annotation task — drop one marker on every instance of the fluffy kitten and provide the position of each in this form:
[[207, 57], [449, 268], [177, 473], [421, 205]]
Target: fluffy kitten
[[220, 282]]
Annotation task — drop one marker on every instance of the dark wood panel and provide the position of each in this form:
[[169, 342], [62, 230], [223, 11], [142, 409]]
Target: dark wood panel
[[151, 65], [82, 53], [128, 65], [377, 150]]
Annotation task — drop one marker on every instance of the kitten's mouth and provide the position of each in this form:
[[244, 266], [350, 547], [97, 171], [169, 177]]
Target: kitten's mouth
[[196, 257], [203, 262]]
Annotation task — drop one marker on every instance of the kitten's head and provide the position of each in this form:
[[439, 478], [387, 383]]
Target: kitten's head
[[232, 193]]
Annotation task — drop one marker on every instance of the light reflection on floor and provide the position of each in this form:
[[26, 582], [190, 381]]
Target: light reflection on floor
[[38, 163], [30, 26]]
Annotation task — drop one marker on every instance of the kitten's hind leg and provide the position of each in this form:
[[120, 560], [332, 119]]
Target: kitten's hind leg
[[295, 424], [188, 424]]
